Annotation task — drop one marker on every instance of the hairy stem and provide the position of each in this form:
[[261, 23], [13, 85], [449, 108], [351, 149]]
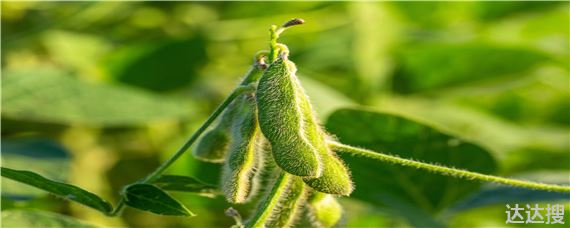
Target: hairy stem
[[273, 36], [445, 170], [239, 90], [275, 32], [251, 76], [264, 211]]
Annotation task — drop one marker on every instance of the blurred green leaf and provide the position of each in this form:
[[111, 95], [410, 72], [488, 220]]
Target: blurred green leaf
[[324, 98], [76, 50], [49, 158], [44, 219], [500, 136], [411, 193], [183, 184], [66, 191], [434, 66], [147, 197], [159, 66], [505, 195], [494, 194], [48, 95], [426, 14], [535, 158], [491, 11], [538, 98]]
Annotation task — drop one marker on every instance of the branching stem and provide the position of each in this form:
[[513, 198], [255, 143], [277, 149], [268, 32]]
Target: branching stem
[[243, 87], [445, 170]]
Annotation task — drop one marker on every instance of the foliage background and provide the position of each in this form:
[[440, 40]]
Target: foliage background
[[99, 93]]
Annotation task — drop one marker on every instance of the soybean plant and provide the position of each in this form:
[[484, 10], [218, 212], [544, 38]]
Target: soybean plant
[[268, 133]]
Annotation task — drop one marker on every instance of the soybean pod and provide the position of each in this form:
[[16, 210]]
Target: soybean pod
[[282, 123], [214, 144], [244, 161], [282, 204], [290, 205], [324, 210], [335, 178]]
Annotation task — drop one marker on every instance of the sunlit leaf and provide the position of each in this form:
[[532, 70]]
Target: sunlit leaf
[[63, 190], [52, 96], [76, 50], [413, 194], [147, 197]]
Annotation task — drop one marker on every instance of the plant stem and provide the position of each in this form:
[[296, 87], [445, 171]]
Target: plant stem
[[273, 36], [151, 177], [266, 208], [445, 170], [251, 76]]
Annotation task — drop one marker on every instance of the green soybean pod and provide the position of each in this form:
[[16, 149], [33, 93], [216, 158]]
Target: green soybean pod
[[239, 182], [282, 205], [290, 205], [324, 210], [281, 121], [335, 178], [214, 144]]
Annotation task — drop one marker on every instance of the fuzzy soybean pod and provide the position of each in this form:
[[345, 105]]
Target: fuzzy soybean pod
[[214, 144], [282, 123], [290, 205], [324, 210], [282, 204], [335, 178], [240, 171]]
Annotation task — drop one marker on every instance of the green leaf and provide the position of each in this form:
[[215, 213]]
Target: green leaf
[[499, 136], [159, 65], [493, 194], [183, 184], [504, 195], [44, 219], [66, 191], [324, 98], [408, 192], [492, 11], [76, 50], [150, 198], [66, 100], [435, 66], [534, 99], [49, 158]]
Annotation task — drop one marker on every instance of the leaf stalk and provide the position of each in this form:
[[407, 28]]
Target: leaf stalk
[[447, 171]]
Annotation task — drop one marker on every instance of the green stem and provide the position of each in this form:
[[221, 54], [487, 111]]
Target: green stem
[[275, 32], [251, 76], [273, 36], [262, 214], [445, 170], [239, 90]]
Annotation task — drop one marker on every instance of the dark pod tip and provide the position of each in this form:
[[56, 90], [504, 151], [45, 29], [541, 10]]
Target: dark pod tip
[[293, 22]]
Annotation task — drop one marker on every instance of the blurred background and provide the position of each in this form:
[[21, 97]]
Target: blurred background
[[99, 93]]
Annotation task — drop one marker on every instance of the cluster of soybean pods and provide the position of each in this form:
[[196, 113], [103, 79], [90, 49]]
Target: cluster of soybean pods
[[273, 149]]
